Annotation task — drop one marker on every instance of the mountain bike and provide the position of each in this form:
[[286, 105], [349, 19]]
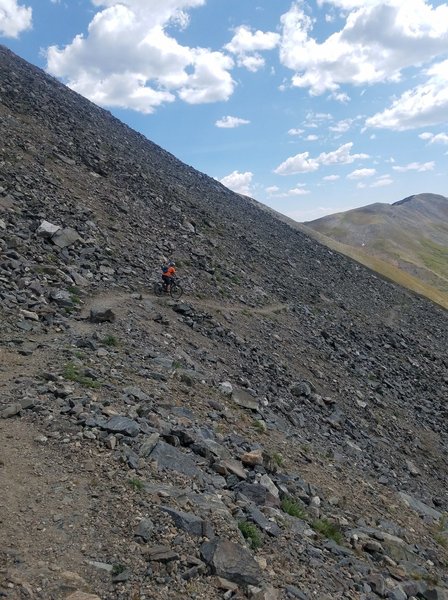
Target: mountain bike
[[175, 291]]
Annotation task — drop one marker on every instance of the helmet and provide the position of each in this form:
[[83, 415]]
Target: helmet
[[172, 263]]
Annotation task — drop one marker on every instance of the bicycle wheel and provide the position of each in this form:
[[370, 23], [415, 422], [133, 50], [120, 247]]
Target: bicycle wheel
[[158, 288], [176, 291]]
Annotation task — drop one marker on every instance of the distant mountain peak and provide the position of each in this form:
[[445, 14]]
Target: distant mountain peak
[[425, 197]]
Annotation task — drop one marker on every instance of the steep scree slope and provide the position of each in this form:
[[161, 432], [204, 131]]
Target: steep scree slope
[[289, 380]]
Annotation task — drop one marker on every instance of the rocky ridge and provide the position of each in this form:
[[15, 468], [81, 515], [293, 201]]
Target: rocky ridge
[[279, 433]]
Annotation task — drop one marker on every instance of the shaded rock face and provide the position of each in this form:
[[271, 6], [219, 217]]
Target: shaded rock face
[[284, 429], [231, 561]]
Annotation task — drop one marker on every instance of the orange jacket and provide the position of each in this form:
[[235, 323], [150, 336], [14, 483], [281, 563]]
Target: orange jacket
[[170, 273]]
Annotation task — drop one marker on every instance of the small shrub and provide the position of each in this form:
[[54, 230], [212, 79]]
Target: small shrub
[[117, 570], [71, 373], [278, 459], [136, 484], [259, 426], [251, 533], [293, 508], [441, 532], [110, 340], [328, 529]]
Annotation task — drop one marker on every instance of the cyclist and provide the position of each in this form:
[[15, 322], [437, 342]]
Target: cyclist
[[168, 275]]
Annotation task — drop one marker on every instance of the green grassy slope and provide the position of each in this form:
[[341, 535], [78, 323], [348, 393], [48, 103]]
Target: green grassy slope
[[406, 241], [433, 254]]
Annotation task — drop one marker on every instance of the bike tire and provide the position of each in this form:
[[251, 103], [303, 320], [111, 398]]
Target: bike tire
[[158, 288], [176, 291]]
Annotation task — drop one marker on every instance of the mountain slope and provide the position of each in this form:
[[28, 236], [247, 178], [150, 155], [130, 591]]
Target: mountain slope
[[283, 427], [411, 235]]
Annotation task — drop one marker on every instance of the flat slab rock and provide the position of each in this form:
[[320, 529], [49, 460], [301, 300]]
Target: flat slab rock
[[123, 425], [231, 561], [420, 507], [245, 400], [169, 457]]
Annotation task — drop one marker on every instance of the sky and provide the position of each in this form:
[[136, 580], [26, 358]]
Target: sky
[[311, 107]]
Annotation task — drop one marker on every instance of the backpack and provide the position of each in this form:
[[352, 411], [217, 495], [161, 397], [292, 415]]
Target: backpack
[[165, 269]]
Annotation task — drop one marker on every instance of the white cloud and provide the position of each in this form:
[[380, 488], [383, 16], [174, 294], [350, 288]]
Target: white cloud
[[342, 126], [341, 97], [295, 131], [128, 59], [331, 177], [416, 166], [422, 106], [438, 138], [272, 189], [252, 63], [239, 182], [314, 120], [341, 156], [382, 181], [298, 191], [14, 18], [230, 122], [312, 138], [244, 41], [378, 40], [361, 173], [302, 163], [247, 45]]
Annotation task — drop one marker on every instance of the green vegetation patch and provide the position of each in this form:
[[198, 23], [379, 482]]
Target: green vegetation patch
[[71, 373], [435, 257], [293, 508], [110, 340], [328, 529], [251, 533], [136, 484], [278, 459]]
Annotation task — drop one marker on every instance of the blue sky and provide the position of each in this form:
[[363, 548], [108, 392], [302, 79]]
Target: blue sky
[[311, 107]]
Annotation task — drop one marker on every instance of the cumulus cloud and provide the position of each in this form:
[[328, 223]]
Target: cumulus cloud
[[246, 45], [303, 163], [382, 181], [295, 131], [272, 189], [431, 138], [300, 163], [239, 182], [415, 166], [340, 156], [361, 173], [298, 191], [421, 106], [14, 18], [230, 122], [331, 177], [128, 59], [312, 138], [378, 40]]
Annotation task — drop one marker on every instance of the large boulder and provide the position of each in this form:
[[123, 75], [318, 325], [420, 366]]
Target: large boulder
[[231, 561]]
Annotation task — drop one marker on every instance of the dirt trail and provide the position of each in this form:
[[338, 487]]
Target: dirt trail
[[117, 299], [43, 503]]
